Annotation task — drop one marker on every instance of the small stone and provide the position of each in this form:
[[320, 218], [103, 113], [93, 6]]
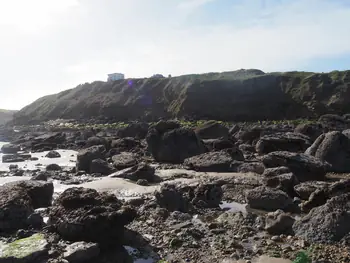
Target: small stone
[[276, 238], [81, 252]]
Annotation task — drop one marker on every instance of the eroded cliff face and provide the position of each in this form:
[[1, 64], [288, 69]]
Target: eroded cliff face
[[244, 95]]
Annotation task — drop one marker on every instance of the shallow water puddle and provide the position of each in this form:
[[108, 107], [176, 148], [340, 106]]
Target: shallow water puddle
[[138, 257], [233, 207]]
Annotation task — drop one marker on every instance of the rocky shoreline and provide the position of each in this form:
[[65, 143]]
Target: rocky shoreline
[[169, 192]]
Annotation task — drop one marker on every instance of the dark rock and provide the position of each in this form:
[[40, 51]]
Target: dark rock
[[303, 166], [101, 166], [133, 130], [247, 148], [328, 223], [251, 167], [11, 158], [312, 130], [124, 160], [81, 214], [293, 142], [95, 141], [142, 182], [35, 221], [81, 252], [185, 198], [164, 126], [125, 144], [41, 147], [278, 223], [333, 122], [85, 157], [53, 167], [272, 172], [40, 176], [212, 130], [15, 207], [284, 182], [210, 162], [268, 199], [55, 138], [317, 198], [305, 189], [174, 145], [18, 172], [249, 135], [138, 172], [218, 144], [10, 149], [334, 148], [39, 192], [53, 154]]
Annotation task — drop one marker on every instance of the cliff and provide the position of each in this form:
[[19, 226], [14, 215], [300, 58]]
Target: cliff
[[243, 95]]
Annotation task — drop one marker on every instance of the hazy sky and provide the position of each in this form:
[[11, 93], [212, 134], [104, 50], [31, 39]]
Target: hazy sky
[[50, 45]]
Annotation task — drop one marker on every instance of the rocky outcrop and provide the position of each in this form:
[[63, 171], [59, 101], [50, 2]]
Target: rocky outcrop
[[334, 148], [304, 167], [212, 130], [327, 223], [173, 145], [211, 162], [292, 142], [81, 214], [18, 201], [268, 199], [10, 149], [86, 156], [187, 198], [243, 95]]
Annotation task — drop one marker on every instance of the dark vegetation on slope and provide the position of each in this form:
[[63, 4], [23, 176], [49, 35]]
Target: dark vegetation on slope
[[243, 95]]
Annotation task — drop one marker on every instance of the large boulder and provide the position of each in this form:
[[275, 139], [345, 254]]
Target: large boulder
[[284, 182], [328, 223], [333, 122], [312, 130], [53, 154], [86, 156], [101, 166], [292, 142], [40, 192], [16, 207], [134, 130], [212, 130], [81, 214], [55, 138], [125, 144], [210, 162], [10, 149], [81, 252], [124, 160], [334, 148], [268, 199], [186, 198], [303, 166], [93, 141], [305, 189], [141, 171], [173, 145], [12, 158], [278, 223]]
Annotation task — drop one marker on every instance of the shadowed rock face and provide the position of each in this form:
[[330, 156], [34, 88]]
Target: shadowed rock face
[[235, 96]]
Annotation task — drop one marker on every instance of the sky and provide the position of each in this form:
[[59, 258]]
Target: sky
[[51, 45]]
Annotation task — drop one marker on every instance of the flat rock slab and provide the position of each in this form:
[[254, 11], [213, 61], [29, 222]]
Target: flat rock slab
[[24, 250]]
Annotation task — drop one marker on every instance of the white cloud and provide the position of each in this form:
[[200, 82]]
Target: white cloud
[[56, 45]]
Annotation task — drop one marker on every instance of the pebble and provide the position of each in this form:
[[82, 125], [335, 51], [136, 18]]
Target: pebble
[[276, 238]]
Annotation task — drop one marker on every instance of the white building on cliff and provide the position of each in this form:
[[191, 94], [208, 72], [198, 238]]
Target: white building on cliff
[[115, 76]]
